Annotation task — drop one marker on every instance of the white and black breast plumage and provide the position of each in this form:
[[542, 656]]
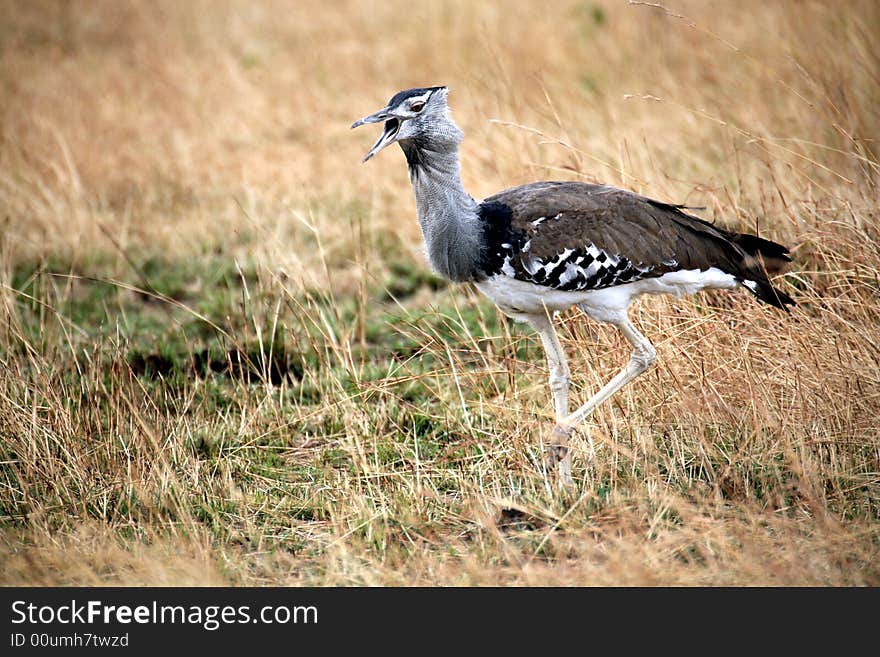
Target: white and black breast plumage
[[576, 237]]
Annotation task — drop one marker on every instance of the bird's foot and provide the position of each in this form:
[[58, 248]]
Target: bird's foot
[[558, 456]]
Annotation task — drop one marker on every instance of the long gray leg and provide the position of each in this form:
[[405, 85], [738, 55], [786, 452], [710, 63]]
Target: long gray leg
[[557, 448], [642, 356]]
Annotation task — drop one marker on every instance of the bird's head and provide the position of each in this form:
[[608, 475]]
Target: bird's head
[[418, 115]]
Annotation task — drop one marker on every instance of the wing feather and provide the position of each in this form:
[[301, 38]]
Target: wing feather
[[639, 237]]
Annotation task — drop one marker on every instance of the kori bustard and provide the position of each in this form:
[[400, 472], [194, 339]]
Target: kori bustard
[[541, 248]]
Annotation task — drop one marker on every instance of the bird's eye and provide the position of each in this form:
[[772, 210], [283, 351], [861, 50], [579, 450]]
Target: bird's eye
[[417, 107]]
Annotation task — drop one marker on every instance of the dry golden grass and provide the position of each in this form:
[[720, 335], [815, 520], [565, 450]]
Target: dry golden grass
[[223, 358]]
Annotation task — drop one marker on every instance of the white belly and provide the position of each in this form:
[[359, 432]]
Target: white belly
[[520, 300]]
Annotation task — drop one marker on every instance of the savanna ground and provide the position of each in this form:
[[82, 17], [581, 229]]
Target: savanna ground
[[224, 359]]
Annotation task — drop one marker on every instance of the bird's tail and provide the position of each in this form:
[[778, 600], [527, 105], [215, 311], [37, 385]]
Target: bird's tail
[[774, 256], [748, 257], [771, 258], [765, 292]]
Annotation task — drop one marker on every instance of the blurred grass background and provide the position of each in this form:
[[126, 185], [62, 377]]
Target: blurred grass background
[[224, 359]]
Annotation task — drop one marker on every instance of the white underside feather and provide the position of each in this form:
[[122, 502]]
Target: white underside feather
[[520, 299]]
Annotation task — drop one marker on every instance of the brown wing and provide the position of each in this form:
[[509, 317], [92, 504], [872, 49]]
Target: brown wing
[[560, 216], [575, 236]]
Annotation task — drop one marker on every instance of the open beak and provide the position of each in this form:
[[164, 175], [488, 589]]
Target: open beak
[[392, 127]]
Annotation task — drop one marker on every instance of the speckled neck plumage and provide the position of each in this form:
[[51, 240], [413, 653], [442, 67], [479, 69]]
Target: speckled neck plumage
[[448, 215]]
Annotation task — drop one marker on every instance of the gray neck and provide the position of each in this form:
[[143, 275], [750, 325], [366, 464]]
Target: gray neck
[[447, 214]]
